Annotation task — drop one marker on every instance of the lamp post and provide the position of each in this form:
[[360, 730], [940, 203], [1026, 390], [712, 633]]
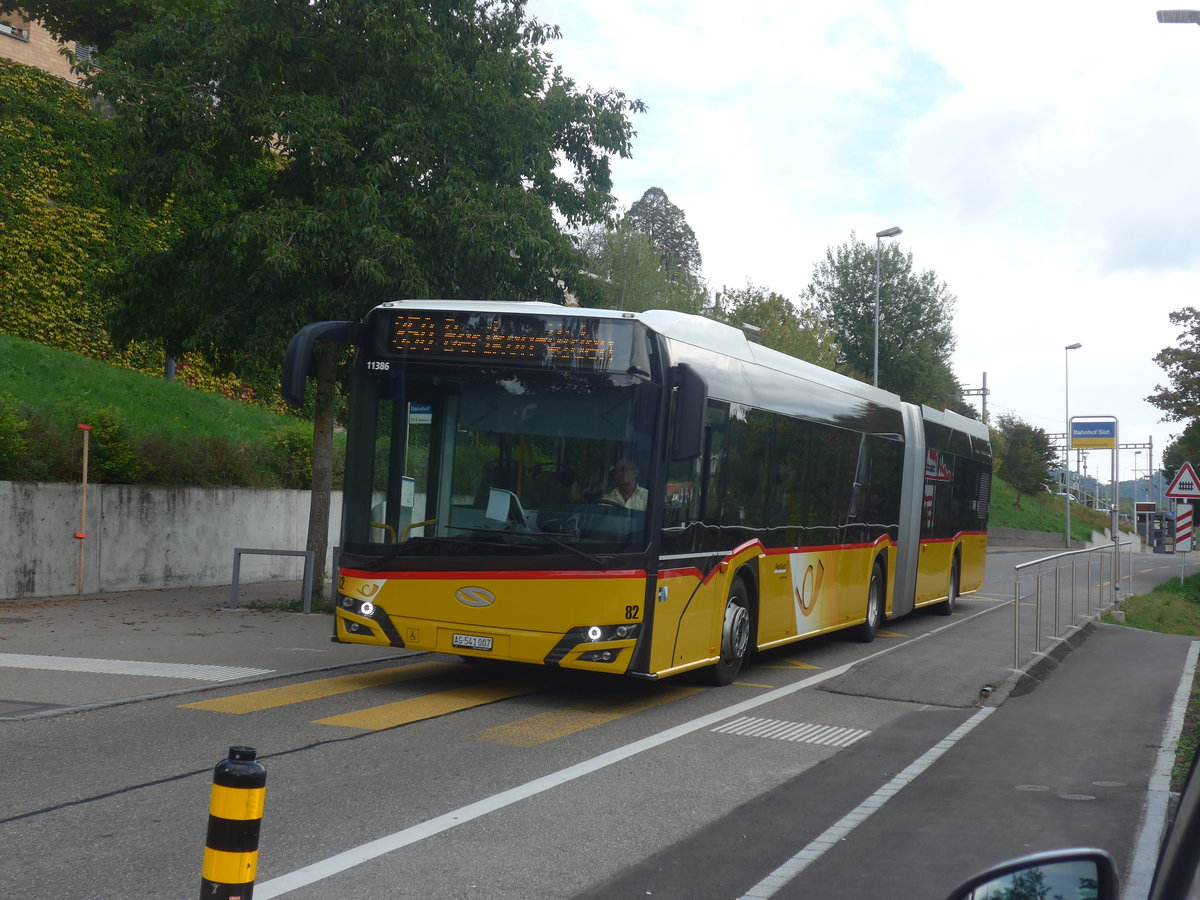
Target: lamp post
[[879, 236], [1067, 436]]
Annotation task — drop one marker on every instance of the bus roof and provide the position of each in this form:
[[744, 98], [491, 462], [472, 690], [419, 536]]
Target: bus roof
[[709, 335]]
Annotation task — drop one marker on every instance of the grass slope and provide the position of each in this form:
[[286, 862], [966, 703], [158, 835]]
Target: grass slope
[[64, 387]]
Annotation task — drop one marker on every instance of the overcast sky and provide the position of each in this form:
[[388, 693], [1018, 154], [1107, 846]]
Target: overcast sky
[[1041, 157]]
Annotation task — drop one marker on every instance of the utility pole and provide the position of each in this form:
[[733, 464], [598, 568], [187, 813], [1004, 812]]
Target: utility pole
[[978, 392]]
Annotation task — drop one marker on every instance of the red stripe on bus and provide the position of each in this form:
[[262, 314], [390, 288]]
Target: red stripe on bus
[[499, 576]]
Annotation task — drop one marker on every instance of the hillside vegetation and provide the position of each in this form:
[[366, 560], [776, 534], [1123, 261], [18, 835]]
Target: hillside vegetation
[[145, 430], [1042, 512]]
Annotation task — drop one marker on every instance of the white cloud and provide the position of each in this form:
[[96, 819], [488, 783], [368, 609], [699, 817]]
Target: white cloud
[[1038, 156]]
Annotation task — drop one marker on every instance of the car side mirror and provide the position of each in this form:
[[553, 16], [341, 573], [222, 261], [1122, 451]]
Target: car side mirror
[[1058, 873]]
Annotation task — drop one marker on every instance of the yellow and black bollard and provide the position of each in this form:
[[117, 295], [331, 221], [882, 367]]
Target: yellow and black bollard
[[234, 816]]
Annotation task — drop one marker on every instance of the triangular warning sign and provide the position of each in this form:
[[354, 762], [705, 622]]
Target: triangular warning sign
[[1185, 485]]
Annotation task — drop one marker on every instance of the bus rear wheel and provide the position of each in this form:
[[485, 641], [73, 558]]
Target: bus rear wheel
[[735, 635], [867, 630]]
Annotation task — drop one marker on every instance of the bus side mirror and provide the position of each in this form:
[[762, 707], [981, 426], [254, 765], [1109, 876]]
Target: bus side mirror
[[299, 354], [691, 400]]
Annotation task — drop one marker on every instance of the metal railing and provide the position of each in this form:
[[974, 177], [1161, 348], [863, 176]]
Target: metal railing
[[1103, 591]]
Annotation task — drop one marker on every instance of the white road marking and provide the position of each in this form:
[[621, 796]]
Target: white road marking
[[363, 853], [781, 730], [1154, 819], [771, 885], [195, 672]]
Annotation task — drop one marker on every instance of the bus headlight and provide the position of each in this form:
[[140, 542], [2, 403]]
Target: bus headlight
[[366, 608], [596, 634]]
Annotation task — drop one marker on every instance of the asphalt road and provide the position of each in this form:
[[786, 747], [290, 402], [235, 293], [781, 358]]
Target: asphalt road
[[831, 769]]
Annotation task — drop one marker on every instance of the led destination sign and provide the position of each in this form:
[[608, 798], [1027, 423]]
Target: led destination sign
[[595, 345]]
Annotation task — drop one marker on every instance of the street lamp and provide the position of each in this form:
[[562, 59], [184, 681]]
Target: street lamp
[[1067, 437], [879, 236]]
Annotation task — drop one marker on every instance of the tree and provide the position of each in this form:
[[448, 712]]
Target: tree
[[1184, 447], [670, 235], [353, 151], [798, 333], [627, 273], [98, 23], [61, 227], [1180, 399], [916, 335], [1025, 455]]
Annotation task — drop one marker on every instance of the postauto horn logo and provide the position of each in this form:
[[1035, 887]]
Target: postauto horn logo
[[474, 596]]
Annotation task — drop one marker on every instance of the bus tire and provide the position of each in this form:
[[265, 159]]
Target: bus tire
[[867, 630], [735, 635], [946, 607]]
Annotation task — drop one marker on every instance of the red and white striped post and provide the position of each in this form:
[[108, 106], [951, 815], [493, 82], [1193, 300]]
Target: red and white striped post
[[1183, 533]]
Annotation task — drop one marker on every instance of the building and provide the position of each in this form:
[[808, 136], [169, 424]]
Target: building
[[29, 43]]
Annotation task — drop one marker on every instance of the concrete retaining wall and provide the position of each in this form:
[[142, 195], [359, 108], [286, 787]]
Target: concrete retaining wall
[[147, 537]]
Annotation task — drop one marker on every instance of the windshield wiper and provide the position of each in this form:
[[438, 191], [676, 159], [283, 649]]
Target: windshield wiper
[[598, 561]]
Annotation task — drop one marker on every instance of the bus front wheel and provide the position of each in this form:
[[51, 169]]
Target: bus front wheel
[[735, 635]]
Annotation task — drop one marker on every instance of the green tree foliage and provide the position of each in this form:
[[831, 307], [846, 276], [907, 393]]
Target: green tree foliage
[[14, 439], [354, 151], [1180, 398], [664, 223], [627, 273], [1184, 447], [1024, 454], [916, 334], [796, 332], [61, 227], [97, 23]]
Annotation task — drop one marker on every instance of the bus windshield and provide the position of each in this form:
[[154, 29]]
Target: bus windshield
[[464, 461]]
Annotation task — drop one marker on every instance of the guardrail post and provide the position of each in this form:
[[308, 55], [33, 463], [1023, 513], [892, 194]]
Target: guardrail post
[[234, 817], [1017, 621]]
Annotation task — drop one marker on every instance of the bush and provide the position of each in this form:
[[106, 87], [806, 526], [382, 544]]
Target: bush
[[114, 456], [14, 446], [291, 456]]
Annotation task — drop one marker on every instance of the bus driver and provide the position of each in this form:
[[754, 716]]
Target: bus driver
[[627, 492]]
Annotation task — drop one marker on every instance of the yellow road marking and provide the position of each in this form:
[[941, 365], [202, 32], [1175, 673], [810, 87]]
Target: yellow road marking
[[430, 706], [882, 633], [549, 726], [256, 701], [768, 687], [987, 599], [791, 664]]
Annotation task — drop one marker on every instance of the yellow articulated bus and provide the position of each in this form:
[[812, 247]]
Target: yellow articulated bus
[[636, 493]]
